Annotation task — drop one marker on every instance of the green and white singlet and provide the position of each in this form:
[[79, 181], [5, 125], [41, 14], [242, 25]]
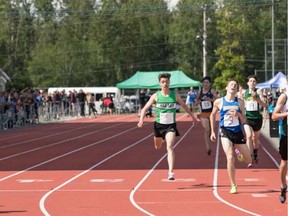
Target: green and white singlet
[[252, 107], [166, 108]]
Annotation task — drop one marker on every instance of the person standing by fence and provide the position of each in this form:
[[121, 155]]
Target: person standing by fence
[[81, 96]]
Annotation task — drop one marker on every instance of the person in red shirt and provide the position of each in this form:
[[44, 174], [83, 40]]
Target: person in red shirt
[[108, 103]]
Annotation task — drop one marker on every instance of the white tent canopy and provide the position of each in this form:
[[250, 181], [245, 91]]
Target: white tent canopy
[[275, 82]]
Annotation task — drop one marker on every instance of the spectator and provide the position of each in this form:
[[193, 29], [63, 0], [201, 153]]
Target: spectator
[[108, 103], [81, 96], [91, 105]]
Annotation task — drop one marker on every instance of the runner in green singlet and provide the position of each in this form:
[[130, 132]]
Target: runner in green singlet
[[165, 125]]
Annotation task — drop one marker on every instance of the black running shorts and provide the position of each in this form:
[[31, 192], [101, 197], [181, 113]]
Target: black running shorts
[[160, 130], [235, 138], [283, 147], [256, 124]]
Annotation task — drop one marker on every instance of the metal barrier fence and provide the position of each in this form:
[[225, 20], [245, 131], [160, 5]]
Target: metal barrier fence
[[45, 112]]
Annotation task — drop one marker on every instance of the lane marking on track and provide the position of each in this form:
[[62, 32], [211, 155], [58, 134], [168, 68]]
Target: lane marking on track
[[69, 153], [140, 190], [33, 180], [106, 180], [57, 134], [180, 180], [88, 190], [136, 188], [259, 195], [251, 179], [272, 158], [215, 183], [43, 199]]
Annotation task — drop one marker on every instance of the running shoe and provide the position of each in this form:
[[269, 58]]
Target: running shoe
[[171, 177], [250, 165], [282, 196], [239, 155], [209, 152], [255, 159], [233, 189]]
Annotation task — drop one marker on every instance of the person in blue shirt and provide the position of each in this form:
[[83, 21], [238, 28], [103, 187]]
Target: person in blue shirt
[[232, 118], [190, 100]]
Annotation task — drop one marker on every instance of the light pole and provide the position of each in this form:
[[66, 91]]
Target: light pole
[[272, 47], [204, 37]]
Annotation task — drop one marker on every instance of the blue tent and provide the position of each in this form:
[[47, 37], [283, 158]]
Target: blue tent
[[277, 81]]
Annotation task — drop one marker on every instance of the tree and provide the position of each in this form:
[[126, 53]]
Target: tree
[[231, 61], [186, 36], [21, 34]]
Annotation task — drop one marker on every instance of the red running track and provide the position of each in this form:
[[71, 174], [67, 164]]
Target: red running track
[[108, 166]]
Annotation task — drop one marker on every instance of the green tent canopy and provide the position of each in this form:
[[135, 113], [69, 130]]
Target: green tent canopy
[[149, 80]]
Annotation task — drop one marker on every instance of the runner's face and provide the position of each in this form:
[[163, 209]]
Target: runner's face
[[252, 83], [232, 87], [206, 84], [164, 83]]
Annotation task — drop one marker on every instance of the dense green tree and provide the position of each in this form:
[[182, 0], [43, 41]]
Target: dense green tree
[[231, 26], [21, 40], [132, 36], [4, 45], [186, 36], [99, 43]]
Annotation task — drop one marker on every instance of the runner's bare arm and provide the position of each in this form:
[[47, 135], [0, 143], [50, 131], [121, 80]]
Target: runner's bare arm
[[261, 99], [277, 113], [242, 109], [215, 109]]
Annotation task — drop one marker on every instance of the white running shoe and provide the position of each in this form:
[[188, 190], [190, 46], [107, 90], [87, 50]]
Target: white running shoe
[[171, 177]]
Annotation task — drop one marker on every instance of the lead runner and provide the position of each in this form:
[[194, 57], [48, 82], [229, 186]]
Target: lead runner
[[165, 125]]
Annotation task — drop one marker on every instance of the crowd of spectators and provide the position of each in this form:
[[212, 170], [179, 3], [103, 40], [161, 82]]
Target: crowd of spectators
[[72, 102]]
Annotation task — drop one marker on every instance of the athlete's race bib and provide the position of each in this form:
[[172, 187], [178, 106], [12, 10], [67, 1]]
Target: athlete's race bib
[[251, 106], [231, 121], [206, 105], [166, 118]]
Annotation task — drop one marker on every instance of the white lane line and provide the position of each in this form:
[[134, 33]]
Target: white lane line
[[259, 195], [33, 180], [56, 134], [272, 158], [180, 180], [43, 199], [60, 142], [106, 180], [140, 190], [252, 179], [131, 196], [215, 183], [68, 153]]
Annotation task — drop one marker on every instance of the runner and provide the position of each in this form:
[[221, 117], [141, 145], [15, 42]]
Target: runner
[[231, 117], [254, 100], [165, 125], [281, 112], [205, 99], [190, 100]]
